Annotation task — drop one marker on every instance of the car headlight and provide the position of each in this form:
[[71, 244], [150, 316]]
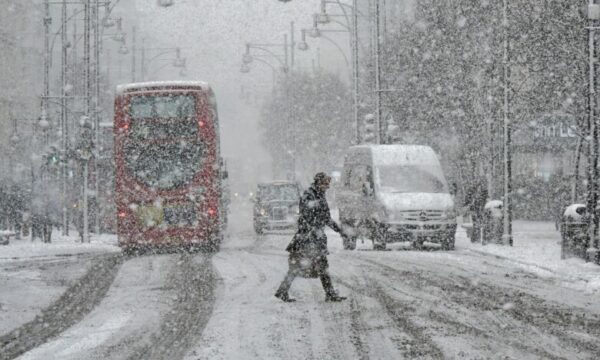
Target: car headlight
[[394, 216], [263, 211], [449, 214]]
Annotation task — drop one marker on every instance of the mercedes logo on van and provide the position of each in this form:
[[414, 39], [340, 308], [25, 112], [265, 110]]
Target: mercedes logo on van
[[423, 215]]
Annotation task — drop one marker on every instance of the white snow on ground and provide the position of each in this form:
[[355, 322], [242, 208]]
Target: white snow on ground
[[135, 302], [34, 274], [536, 249], [25, 249], [249, 323]]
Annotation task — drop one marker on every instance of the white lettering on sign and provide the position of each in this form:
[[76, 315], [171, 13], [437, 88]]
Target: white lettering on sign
[[560, 130]]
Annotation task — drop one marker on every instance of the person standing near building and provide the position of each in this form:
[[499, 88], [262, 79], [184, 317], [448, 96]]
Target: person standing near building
[[475, 200], [309, 244]]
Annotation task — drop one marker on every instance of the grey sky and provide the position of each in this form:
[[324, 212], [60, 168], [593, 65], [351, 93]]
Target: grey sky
[[212, 34]]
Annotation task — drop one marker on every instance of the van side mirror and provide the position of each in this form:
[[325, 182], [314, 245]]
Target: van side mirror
[[453, 188], [367, 190]]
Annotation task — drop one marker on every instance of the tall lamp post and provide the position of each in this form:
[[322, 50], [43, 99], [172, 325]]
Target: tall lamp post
[[324, 18], [178, 62], [247, 58], [318, 33], [380, 129], [507, 208], [593, 13]]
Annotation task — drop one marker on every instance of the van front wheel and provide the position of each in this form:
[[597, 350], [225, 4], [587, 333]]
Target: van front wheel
[[448, 243], [350, 243], [379, 236]]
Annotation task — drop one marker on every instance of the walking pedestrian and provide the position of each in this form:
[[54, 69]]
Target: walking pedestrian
[[308, 248]]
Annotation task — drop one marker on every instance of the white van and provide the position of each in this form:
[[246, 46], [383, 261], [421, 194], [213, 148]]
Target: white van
[[393, 193]]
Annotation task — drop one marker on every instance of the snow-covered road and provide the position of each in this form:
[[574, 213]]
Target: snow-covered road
[[408, 304], [402, 304]]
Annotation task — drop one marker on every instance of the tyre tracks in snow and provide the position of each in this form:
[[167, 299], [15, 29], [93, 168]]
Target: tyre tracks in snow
[[353, 329], [235, 310], [156, 308], [508, 320], [410, 339], [193, 280], [76, 302]]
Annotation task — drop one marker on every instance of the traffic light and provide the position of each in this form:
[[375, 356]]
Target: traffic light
[[52, 157], [370, 135]]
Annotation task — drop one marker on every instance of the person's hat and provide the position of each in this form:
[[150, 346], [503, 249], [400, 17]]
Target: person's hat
[[321, 178]]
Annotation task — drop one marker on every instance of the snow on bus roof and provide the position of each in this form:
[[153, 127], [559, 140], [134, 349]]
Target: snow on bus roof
[[123, 88]]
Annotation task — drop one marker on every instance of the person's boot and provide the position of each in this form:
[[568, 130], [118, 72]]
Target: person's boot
[[334, 298], [284, 296]]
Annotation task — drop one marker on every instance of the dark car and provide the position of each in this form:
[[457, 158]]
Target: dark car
[[276, 206]]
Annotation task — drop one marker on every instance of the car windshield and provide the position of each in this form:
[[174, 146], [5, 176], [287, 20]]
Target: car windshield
[[409, 179], [279, 192]]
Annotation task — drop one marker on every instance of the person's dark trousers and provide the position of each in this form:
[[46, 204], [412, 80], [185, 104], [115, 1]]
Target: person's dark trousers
[[478, 223], [323, 271], [295, 270], [18, 230], [47, 233], [36, 231]]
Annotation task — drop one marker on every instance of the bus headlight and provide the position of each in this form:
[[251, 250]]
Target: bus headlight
[[150, 216]]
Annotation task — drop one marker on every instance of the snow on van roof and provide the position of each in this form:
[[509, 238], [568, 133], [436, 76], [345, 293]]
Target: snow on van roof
[[401, 154], [123, 88]]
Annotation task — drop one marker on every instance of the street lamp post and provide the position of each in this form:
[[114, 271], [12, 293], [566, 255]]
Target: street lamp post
[[303, 45], [378, 121], [593, 12], [507, 208], [63, 119], [178, 62], [44, 123], [324, 18], [247, 58]]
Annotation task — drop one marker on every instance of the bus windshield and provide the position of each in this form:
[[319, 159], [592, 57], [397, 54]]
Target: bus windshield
[[164, 166], [162, 117], [162, 106], [162, 149]]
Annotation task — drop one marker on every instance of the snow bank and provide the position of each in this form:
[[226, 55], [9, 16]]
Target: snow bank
[[60, 246]]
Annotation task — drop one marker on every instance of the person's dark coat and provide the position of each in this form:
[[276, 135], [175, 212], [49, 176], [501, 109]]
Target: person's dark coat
[[476, 197], [310, 239]]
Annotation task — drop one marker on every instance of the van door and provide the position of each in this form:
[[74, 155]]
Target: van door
[[360, 192]]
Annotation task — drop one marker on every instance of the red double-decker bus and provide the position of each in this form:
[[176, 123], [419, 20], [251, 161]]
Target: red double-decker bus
[[168, 173]]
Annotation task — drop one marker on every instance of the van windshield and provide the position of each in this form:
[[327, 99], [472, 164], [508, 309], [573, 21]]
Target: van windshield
[[409, 179]]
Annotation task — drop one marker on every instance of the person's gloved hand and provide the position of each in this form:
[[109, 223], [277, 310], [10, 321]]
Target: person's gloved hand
[[344, 235]]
